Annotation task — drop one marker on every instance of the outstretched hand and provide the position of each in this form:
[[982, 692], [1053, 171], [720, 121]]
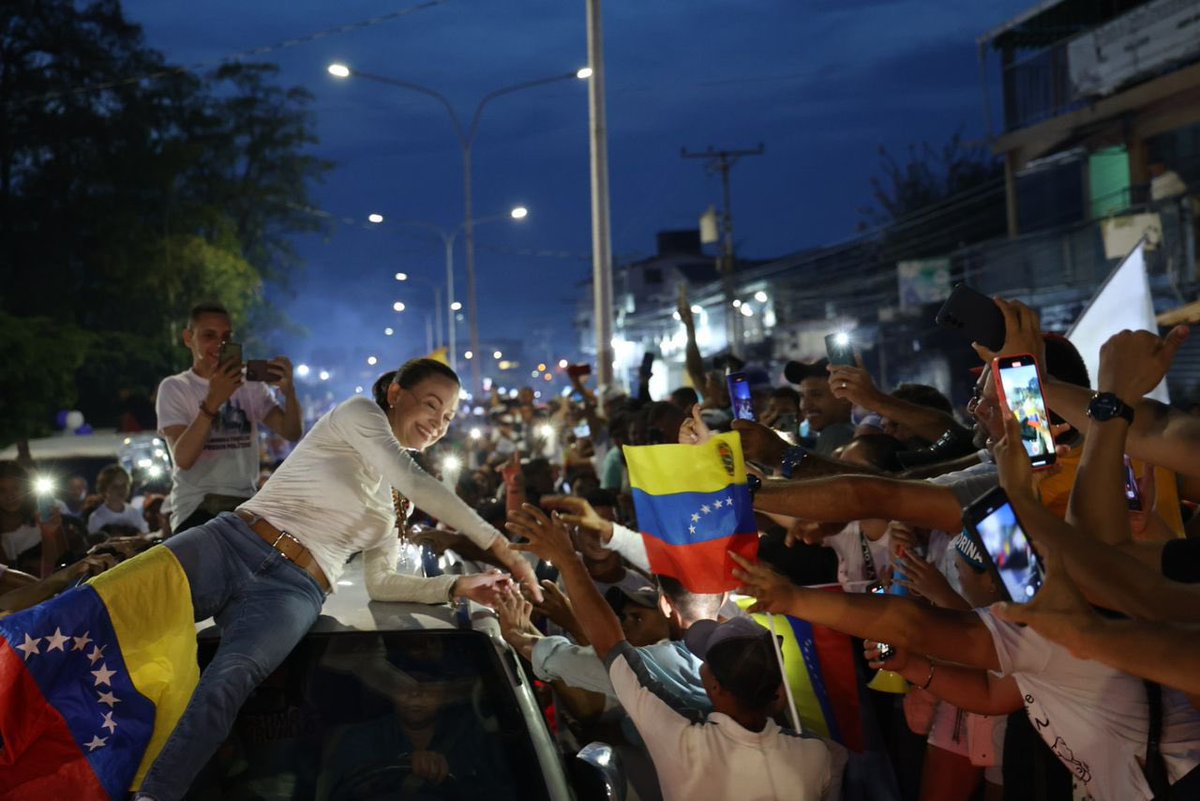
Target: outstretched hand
[[775, 593], [1022, 333], [483, 588], [521, 570], [578, 512], [547, 536], [1133, 363]]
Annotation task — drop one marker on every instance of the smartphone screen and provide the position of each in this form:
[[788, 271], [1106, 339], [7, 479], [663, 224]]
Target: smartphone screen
[[839, 349], [1133, 495], [582, 431], [739, 396], [1020, 383], [998, 533], [886, 651], [45, 506]]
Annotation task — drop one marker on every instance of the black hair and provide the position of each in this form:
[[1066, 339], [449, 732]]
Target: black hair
[[1063, 361], [657, 423], [602, 497], [411, 373], [880, 450], [786, 392], [493, 512], [747, 669], [923, 395], [201, 309], [690, 605], [684, 397]]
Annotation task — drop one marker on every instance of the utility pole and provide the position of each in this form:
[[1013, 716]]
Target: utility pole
[[601, 236], [722, 161]]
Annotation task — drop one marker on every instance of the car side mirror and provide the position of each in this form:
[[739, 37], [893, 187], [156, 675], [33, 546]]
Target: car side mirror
[[597, 774]]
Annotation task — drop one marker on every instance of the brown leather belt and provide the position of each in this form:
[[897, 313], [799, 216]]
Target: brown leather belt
[[287, 545]]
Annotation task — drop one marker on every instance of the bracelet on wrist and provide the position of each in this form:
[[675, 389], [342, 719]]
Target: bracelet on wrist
[[928, 679], [450, 592], [204, 410]]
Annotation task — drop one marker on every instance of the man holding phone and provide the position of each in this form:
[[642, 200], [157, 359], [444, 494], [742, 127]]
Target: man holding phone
[[828, 417], [209, 415]]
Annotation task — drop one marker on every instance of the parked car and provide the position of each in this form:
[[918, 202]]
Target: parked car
[[145, 455], [377, 692]]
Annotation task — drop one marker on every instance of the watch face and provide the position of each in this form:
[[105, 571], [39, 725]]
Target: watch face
[[1105, 407]]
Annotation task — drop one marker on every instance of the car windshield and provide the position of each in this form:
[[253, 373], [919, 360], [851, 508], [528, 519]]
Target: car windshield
[[358, 716]]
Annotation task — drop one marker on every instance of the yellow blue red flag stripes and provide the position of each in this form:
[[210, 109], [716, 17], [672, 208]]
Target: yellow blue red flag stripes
[[693, 507], [820, 667], [92, 682]]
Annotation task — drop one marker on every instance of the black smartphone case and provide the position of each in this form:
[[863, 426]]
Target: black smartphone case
[[975, 315]]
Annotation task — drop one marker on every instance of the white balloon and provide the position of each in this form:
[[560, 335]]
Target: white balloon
[[74, 420]]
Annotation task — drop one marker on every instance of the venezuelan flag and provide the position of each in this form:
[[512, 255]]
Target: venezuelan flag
[[820, 668], [92, 682], [693, 507]]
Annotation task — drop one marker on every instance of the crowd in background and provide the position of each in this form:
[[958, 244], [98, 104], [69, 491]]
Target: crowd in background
[[858, 486]]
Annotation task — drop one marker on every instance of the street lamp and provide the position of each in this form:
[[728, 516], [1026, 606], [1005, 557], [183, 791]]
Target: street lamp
[[448, 237], [466, 139], [437, 305]]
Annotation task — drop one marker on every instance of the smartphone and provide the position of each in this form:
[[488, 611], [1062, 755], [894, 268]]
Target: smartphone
[[993, 525], [973, 314], [582, 431], [578, 370], [577, 397], [1019, 382], [647, 363], [840, 349], [886, 651], [1133, 495], [45, 506], [258, 370], [231, 353], [739, 396]]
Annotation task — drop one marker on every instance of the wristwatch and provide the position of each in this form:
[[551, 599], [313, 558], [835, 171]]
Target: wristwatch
[[792, 457], [1105, 406]]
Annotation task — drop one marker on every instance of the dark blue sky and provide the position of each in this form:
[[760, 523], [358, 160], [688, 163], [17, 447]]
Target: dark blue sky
[[822, 83]]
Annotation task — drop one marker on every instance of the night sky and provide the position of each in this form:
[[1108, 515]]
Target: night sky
[[822, 84]]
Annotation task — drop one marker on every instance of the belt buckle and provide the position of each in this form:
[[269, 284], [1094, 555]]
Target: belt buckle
[[275, 544]]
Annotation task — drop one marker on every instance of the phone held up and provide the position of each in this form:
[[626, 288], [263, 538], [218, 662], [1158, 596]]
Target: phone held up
[[840, 349], [1133, 493], [973, 314], [739, 396], [1019, 382], [231, 353], [993, 526], [578, 370], [886, 651]]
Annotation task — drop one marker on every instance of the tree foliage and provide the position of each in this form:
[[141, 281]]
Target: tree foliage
[[131, 189], [936, 200]]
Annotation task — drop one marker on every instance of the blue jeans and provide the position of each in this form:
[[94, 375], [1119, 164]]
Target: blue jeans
[[263, 605]]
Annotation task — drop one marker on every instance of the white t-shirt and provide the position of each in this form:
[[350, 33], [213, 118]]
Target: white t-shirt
[[718, 759], [19, 540], [228, 465], [1094, 718], [852, 565], [334, 494], [129, 516]]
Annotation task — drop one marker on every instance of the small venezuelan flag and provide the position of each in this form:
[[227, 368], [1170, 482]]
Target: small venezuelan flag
[[819, 666], [93, 682], [693, 506]]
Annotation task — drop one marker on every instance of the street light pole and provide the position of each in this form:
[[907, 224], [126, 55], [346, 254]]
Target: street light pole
[[466, 139], [601, 235]]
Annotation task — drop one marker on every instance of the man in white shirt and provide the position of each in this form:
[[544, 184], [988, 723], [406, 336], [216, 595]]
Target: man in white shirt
[[737, 751], [209, 415]]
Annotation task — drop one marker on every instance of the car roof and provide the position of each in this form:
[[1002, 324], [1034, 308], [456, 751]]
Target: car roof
[[103, 443]]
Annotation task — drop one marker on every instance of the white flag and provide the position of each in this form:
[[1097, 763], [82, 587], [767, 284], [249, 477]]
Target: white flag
[[1123, 301]]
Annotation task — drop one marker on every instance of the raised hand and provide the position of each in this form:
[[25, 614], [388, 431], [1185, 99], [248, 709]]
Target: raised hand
[[855, 385], [1133, 363], [520, 568], [775, 593], [924, 579], [482, 588], [578, 512], [547, 537], [281, 374], [224, 381], [759, 443], [1058, 612], [1022, 333]]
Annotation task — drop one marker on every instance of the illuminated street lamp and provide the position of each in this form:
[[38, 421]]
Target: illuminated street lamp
[[466, 139]]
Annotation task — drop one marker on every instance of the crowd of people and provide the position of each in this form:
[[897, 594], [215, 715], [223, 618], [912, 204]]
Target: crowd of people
[[1088, 690]]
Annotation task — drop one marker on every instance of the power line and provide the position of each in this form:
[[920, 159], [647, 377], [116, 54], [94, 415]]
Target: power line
[[232, 57]]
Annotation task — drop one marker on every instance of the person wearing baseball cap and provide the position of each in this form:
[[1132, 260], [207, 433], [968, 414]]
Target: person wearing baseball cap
[[828, 417], [735, 751]]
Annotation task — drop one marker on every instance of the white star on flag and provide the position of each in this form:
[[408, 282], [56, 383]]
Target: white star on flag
[[108, 698], [104, 675], [695, 518], [109, 723], [705, 508], [97, 742], [30, 646], [692, 529], [717, 504], [81, 642], [97, 652], [56, 641]]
